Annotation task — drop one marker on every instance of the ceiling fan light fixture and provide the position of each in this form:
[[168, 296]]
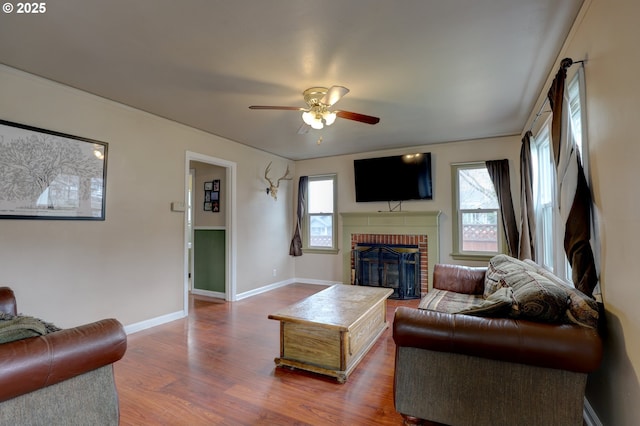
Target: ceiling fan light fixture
[[318, 115], [317, 124], [308, 117], [329, 117]]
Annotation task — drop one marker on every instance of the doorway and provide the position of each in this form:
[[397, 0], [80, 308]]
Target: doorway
[[228, 188]]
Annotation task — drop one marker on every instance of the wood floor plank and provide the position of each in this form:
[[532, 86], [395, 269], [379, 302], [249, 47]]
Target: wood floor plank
[[217, 368]]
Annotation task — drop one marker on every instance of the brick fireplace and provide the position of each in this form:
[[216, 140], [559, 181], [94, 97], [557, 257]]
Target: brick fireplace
[[395, 240], [419, 229]]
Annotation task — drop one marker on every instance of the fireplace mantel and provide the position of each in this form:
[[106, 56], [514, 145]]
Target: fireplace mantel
[[392, 223]]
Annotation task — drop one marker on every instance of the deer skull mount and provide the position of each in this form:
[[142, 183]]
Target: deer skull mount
[[273, 188]]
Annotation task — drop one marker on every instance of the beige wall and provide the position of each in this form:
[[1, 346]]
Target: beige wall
[[329, 267], [606, 34], [131, 265]]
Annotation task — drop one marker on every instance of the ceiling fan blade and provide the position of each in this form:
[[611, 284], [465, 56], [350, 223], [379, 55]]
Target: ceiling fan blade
[[285, 108], [303, 129], [369, 119], [333, 95]]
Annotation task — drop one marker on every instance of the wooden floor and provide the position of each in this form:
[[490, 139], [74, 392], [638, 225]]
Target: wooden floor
[[216, 368]]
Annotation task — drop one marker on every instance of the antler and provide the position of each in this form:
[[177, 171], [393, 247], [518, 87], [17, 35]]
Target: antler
[[285, 176], [273, 189], [266, 172]]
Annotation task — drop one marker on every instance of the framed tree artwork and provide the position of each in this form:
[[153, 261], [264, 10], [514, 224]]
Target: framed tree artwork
[[50, 175]]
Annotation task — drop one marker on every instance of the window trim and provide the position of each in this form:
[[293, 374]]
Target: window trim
[[457, 252], [306, 223]]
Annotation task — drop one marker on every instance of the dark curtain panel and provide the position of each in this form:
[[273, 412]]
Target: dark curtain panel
[[499, 173], [527, 249], [295, 249], [573, 194]]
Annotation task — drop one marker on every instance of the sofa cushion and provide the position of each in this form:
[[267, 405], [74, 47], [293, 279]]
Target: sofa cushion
[[449, 301]]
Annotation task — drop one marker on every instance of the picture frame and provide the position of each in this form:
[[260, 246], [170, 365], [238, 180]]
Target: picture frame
[[216, 185], [208, 186], [208, 206], [51, 175]]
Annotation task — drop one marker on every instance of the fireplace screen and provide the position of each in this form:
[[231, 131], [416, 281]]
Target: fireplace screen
[[391, 266]]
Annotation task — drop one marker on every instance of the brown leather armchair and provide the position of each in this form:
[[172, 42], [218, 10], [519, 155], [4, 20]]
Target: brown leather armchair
[[459, 369], [64, 377]]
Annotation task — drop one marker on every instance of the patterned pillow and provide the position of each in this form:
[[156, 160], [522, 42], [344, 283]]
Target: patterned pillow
[[538, 299], [499, 266], [582, 310], [497, 305]]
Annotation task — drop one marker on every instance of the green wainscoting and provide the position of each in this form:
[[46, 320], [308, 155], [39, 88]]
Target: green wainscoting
[[209, 259]]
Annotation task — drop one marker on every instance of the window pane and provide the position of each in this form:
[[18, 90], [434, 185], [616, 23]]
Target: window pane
[[476, 190], [321, 230], [575, 112], [480, 231], [547, 236], [321, 196]]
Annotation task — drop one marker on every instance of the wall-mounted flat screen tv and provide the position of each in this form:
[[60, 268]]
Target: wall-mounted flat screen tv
[[395, 178]]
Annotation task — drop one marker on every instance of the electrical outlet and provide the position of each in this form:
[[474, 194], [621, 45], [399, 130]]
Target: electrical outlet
[[275, 272]]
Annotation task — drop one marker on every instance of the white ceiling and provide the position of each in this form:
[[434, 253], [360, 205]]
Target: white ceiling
[[432, 70]]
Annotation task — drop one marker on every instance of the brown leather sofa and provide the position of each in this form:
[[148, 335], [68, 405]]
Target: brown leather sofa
[[60, 378], [457, 369]]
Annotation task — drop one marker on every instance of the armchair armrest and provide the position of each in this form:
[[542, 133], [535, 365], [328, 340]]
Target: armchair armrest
[[30, 364], [7, 301], [458, 278], [560, 346]]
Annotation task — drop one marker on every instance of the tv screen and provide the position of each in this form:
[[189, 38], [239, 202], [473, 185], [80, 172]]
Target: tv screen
[[395, 178]]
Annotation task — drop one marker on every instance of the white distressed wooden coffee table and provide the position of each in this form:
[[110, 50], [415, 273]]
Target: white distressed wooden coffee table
[[331, 331]]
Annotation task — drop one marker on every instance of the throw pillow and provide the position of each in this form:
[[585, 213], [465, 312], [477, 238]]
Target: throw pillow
[[497, 305], [538, 299], [499, 266], [582, 310]]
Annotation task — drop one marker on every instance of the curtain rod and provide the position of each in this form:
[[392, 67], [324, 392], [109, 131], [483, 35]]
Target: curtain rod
[[565, 63]]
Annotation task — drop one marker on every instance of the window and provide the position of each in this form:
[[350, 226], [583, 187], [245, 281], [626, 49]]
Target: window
[[477, 229], [551, 253], [320, 217], [544, 197]]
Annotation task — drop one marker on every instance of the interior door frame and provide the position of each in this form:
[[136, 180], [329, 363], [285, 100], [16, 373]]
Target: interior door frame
[[230, 223]]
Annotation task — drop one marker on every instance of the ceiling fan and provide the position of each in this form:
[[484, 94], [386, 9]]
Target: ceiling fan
[[318, 113]]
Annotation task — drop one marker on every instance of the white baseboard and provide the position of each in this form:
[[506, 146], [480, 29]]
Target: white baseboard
[[143, 325], [264, 289], [279, 284], [589, 415], [314, 281], [208, 293]]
